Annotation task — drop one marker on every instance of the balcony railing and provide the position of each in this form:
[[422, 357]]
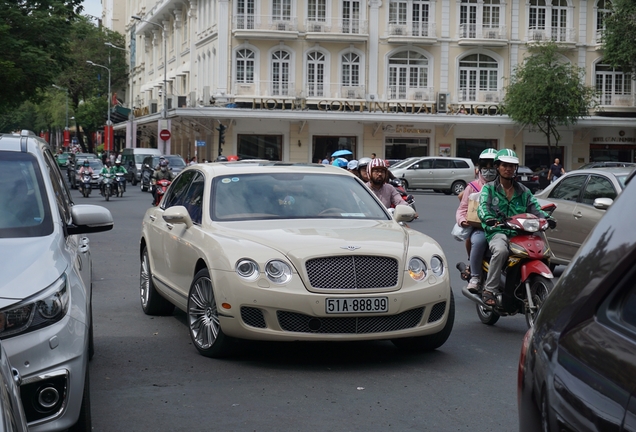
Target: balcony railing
[[617, 100], [554, 34], [413, 29], [337, 25], [410, 93], [288, 89], [478, 31], [474, 95], [265, 23]]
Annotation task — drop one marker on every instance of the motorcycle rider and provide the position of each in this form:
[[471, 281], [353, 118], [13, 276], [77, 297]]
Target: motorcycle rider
[[378, 175], [502, 198], [163, 173], [476, 243], [117, 169], [362, 168], [105, 170]]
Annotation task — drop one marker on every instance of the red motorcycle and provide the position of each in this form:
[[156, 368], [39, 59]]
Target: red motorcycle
[[160, 189], [526, 278]]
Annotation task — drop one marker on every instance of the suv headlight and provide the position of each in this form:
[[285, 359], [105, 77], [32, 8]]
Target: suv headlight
[[41, 310]]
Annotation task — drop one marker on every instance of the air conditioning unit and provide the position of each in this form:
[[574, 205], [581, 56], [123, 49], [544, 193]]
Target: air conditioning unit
[[398, 31], [490, 97], [281, 26], [316, 28], [418, 95], [352, 92], [206, 96], [442, 102], [192, 99]]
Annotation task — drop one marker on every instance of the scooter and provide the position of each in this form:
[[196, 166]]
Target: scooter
[[72, 176], [526, 278], [107, 186], [161, 187], [119, 184], [85, 184], [408, 198]]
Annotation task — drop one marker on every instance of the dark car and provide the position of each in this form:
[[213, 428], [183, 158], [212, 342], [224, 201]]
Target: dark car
[[528, 178], [577, 370], [607, 164], [175, 164]]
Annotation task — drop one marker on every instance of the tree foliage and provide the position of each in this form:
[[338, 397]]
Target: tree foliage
[[619, 36], [546, 91], [34, 46]]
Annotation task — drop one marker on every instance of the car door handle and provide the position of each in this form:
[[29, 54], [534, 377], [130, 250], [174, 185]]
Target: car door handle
[[153, 218], [170, 226]]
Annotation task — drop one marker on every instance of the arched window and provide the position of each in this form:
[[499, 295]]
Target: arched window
[[315, 74], [548, 20], [409, 17], [281, 62], [478, 78], [245, 66], [350, 70], [408, 73], [614, 86]]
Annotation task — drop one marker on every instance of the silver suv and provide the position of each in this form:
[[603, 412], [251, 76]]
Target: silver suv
[[442, 174], [46, 322]]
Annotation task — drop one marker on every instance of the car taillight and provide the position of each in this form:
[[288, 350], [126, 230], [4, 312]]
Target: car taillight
[[522, 363], [535, 178]]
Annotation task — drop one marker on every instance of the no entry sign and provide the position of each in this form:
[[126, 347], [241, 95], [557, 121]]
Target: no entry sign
[[164, 134]]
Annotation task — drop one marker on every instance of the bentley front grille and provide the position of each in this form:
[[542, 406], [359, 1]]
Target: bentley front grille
[[352, 272], [296, 322]]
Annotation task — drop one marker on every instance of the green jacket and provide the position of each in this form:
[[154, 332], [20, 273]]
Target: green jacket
[[493, 198], [118, 169]]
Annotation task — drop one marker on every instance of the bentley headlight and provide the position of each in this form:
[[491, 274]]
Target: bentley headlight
[[417, 269], [247, 269], [41, 310], [437, 265], [278, 272]]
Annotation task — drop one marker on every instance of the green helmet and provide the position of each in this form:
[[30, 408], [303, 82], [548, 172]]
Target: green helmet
[[489, 153], [508, 156]]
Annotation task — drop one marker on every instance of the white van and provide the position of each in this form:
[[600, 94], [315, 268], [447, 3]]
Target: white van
[[131, 159]]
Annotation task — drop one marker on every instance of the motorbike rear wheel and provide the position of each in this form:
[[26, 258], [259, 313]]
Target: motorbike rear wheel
[[107, 193], [487, 316], [540, 288]]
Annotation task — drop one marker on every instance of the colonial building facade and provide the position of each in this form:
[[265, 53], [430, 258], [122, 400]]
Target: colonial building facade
[[295, 80]]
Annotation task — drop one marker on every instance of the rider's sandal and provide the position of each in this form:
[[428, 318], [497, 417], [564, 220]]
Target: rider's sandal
[[489, 298]]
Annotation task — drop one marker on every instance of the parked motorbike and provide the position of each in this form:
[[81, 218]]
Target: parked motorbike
[[408, 198], [119, 184], [108, 186], [161, 187], [85, 184], [526, 278]]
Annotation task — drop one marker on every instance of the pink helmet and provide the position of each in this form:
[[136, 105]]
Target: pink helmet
[[375, 163]]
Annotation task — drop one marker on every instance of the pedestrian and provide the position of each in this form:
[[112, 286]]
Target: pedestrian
[[325, 161], [556, 170]]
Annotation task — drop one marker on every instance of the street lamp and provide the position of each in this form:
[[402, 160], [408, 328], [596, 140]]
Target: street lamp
[[67, 138], [165, 67], [130, 72], [108, 123]]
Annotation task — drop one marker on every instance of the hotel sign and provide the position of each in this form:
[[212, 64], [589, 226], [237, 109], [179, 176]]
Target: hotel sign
[[614, 140], [348, 105]]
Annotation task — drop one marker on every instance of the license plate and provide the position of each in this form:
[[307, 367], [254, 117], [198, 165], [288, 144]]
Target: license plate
[[357, 305], [524, 178]]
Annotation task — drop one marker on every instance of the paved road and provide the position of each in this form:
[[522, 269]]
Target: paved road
[[147, 376]]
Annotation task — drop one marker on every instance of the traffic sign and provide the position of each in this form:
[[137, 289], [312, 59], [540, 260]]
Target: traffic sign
[[165, 134]]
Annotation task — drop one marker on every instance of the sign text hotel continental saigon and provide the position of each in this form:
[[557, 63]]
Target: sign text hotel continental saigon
[[348, 105]]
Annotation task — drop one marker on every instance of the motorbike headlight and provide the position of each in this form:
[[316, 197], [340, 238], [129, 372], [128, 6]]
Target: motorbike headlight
[[437, 265], [530, 225], [41, 310], [247, 269], [278, 272], [417, 269]]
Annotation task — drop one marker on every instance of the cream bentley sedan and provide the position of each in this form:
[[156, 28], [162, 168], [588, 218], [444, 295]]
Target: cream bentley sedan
[[282, 252]]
